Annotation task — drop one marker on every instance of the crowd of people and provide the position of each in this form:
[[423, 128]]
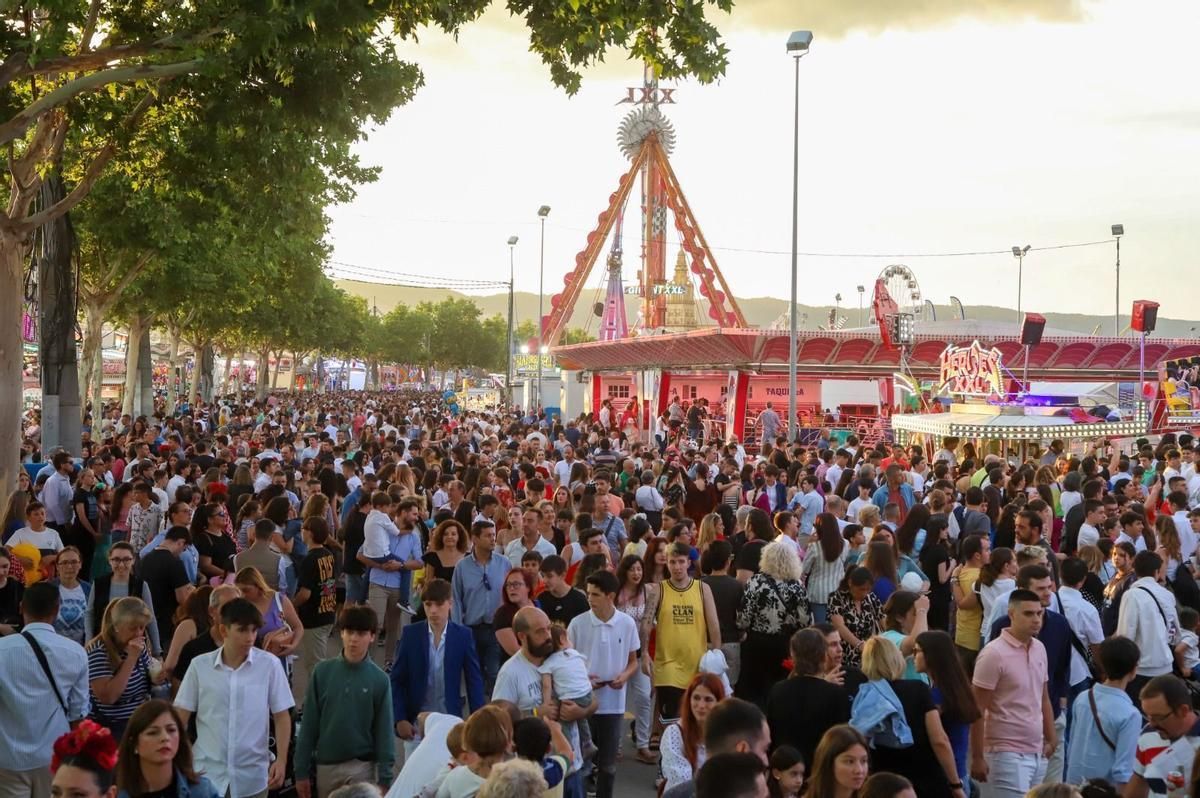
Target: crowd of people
[[360, 594]]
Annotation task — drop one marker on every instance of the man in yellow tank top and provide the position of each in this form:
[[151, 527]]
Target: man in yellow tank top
[[686, 623]]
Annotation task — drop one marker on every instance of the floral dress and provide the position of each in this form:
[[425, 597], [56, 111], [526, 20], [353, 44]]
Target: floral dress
[[863, 620], [770, 613]]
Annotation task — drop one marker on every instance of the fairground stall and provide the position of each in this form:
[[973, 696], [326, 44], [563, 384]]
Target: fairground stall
[[973, 402]]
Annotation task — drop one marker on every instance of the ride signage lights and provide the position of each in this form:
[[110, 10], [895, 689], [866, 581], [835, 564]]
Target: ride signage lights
[[971, 370]]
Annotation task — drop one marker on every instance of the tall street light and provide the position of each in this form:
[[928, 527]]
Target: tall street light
[[861, 321], [543, 212], [1118, 230], [1019, 253], [797, 45], [508, 349]]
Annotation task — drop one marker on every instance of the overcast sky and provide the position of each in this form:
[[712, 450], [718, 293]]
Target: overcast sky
[[924, 129]]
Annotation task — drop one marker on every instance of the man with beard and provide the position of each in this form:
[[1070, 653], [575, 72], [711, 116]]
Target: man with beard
[[520, 683]]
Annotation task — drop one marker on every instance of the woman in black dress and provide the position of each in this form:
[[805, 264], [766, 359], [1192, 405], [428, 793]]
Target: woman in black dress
[[447, 545]]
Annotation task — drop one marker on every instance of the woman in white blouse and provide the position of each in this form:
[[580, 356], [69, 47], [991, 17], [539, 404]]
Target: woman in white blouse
[[682, 745]]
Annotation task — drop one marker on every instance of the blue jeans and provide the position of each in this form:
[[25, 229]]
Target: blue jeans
[[820, 613], [356, 588], [573, 786], [488, 650]]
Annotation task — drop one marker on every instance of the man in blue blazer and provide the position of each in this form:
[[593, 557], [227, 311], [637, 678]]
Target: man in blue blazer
[[433, 659]]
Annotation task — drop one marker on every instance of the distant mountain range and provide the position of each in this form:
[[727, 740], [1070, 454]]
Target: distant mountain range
[[759, 311]]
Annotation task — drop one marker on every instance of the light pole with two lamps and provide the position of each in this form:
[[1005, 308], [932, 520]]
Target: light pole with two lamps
[[543, 212], [797, 45], [1019, 253]]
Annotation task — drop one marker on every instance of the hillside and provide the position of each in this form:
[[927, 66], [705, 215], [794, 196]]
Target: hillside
[[759, 311]]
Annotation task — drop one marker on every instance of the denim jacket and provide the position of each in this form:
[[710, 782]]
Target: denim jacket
[[184, 789], [878, 714]]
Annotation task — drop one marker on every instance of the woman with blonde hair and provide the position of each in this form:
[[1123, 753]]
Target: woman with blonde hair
[[282, 630], [1093, 583], [869, 517], [120, 669], [774, 606], [712, 527], [404, 476], [929, 762]]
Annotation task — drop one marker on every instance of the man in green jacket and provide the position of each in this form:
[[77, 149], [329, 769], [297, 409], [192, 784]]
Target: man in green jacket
[[346, 731]]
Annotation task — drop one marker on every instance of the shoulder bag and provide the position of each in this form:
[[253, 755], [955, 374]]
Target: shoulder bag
[[41, 658]]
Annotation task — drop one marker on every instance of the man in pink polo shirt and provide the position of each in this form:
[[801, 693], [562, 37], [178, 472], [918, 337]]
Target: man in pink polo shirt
[[1012, 742]]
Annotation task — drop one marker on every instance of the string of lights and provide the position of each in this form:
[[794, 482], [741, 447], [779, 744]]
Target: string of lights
[[812, 254]]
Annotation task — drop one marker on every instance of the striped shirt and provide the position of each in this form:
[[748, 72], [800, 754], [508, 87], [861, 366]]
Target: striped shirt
[[33, 719], [1164, 764], [137, 689], [822, 577]]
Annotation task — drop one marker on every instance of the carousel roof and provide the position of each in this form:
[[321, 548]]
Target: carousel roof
[[859, 353]]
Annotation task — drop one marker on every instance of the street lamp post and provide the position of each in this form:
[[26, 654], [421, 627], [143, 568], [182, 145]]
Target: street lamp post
[[797, 44], [1118, 230], [543, 212], [508, 349], [862, 322], [1019, 253]]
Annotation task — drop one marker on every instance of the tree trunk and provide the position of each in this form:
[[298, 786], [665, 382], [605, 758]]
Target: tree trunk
[[138, 325], [319, 373], [93, 337], [204, 375], [241, 376], [172, 366], [56, 328], [145, 404], [275, 375], [12, 267], [193, 393], [225, 375], [262, 374]]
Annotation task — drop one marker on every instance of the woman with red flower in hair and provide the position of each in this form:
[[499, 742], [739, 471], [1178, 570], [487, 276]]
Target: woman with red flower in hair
[[83, 762]]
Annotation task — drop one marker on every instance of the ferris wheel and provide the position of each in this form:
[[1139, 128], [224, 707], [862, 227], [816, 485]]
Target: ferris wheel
[[902, 284]]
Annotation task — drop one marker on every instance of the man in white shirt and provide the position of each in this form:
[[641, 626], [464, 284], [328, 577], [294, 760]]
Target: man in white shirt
[[833, 475], [1082, 616], [1133, 524], [1187, 538], [1149, 618], [520, 683], [266, 472], [234, 692], [1093, 517], [562, 469], [531, 539], [608, 639]]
